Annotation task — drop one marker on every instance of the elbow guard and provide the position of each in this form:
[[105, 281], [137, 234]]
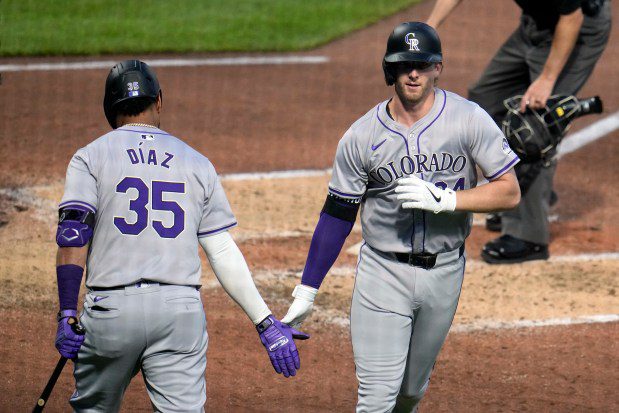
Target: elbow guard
[[75, 226], [341, 208]]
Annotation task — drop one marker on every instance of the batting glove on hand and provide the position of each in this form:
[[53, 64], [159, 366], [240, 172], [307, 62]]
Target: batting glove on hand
[[420, 194], [278, 339], [302, 305], [68, 337]]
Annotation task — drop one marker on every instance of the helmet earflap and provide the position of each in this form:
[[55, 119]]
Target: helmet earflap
[[390, 77]]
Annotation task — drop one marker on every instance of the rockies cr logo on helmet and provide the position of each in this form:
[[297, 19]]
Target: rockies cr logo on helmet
[[411, 42]]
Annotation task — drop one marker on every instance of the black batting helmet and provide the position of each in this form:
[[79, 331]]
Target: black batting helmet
[[130, 79], [411, 42]]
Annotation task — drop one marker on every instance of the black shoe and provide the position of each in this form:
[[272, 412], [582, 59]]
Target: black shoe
[[509, 250], [493, 222]]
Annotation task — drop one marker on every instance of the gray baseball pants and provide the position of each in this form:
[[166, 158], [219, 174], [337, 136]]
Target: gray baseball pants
[[400, 316], [517, 63], [158, 329]]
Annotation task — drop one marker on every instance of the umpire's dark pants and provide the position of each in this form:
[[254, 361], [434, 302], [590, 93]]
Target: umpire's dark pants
[[517, 63]]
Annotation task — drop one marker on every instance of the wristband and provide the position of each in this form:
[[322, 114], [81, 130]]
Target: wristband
[[69, 279], [304, 292]]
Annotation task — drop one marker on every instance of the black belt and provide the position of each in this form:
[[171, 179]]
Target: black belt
[[122, 287], [423, 260]]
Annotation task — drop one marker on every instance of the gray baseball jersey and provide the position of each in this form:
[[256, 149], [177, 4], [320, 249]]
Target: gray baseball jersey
[[153, 196], [443, 147], [401, 314]]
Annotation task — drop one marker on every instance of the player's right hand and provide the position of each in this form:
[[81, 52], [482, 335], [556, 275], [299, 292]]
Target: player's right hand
[[68, 342], [419, 194], [278, 340], [302, 305]]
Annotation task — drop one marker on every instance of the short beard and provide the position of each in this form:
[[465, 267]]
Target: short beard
[[410, 102]]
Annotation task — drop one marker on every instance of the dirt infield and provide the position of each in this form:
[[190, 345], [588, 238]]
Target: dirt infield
[[261, 118]]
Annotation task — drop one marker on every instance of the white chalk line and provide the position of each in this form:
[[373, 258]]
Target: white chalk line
[[212, 61], [490, 325], [294, 173], [602, 256], [485, 325], [589, 134]]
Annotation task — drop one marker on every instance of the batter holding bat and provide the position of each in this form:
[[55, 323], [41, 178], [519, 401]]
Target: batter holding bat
[[137, 203], [410, 165]]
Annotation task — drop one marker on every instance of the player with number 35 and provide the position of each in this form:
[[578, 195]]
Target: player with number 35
[[137, 203]]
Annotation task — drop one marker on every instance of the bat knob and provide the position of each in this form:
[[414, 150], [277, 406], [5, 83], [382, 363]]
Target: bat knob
[[76, 326], [78, 329]]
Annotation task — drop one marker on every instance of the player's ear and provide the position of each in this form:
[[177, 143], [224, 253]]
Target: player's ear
[[159, 102]]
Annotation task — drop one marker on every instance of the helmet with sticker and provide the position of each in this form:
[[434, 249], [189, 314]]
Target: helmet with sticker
[[411, 42], [129, 80]]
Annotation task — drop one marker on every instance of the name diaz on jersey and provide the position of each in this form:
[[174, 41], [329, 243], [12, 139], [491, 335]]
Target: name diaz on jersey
[[149, 158]]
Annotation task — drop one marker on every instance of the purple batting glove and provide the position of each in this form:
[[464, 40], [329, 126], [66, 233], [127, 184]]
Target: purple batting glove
[[68, 337], [278, 339]]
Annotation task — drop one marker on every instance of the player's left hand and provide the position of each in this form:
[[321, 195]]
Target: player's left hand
[[537, 94], [420, 194], [278, 339]]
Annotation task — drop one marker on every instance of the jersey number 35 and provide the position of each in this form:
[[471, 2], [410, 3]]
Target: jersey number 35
[[139, 206]]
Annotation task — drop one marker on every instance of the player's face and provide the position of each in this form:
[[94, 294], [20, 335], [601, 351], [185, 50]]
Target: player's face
[[415, 81]]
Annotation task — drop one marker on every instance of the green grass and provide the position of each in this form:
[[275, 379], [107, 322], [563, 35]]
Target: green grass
[[88, 27]]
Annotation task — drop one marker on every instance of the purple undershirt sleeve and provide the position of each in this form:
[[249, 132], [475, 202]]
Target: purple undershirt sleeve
[[327, 242], [69, 279]]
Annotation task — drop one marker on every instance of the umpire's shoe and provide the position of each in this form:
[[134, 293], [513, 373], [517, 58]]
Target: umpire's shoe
[[509, 250]]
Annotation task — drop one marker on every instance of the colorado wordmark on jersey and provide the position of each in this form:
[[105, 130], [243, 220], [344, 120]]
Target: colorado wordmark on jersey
[[153, 196], [444, 147]]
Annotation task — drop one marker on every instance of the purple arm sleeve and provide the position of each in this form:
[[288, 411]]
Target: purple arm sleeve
[[69, 278], [327, 242]]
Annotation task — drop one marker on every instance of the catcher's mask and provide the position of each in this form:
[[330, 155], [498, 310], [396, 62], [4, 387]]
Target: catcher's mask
[[535, 134]]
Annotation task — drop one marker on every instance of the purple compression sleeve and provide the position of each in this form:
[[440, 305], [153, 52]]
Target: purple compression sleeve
[[69, 279], [327, 242]]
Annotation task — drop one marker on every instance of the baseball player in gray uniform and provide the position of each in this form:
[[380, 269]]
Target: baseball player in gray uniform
[[410, 164], [137, 203]]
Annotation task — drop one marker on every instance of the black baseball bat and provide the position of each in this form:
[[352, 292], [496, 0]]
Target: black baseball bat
[[47, 391]]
